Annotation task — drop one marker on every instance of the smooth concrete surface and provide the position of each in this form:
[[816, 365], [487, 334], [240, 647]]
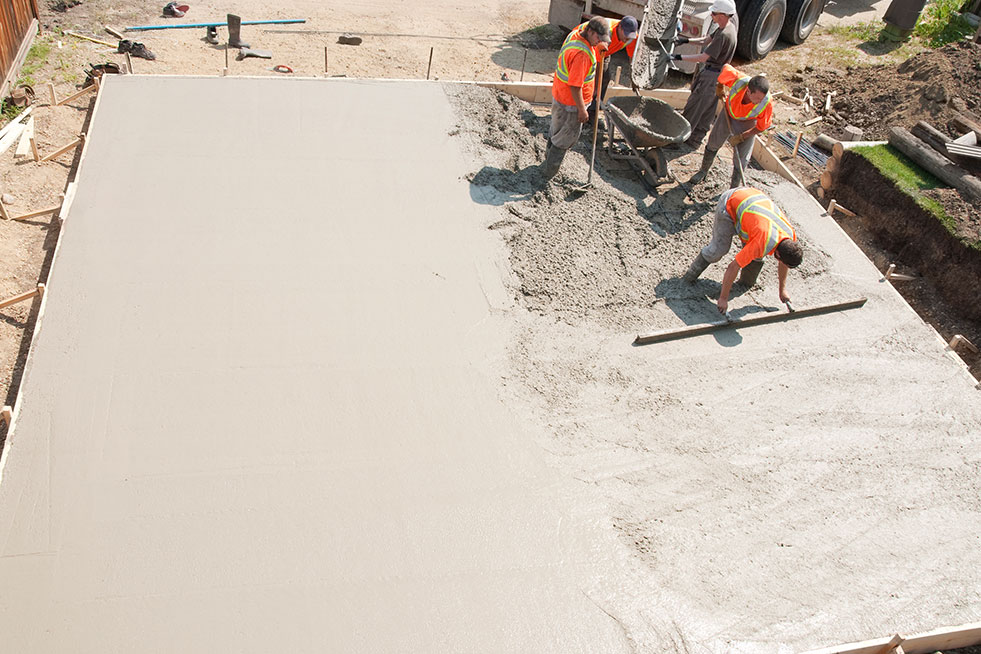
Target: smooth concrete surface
[[261, 411]]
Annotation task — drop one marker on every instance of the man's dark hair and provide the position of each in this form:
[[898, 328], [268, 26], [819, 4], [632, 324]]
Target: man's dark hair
[[759, 83], [791, 253]]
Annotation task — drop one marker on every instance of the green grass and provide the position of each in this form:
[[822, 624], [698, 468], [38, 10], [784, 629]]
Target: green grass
[[940, 23], [864, 31], [911, 180], [36, 57]]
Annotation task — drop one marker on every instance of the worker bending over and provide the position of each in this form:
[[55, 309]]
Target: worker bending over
[[701, 107], [761, 226], [572, 89], [746, 112]]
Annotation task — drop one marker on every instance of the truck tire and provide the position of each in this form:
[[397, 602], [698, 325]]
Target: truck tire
[[759, 27], [802, 18]]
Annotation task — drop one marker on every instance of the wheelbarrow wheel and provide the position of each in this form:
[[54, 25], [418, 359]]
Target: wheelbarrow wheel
[[655, 156]]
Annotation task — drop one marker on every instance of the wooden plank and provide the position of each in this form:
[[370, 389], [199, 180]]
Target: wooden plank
[[18, 61], [698, 330], [864, 647], [66, 203], [944, 639], [78, 94], [35, 214], [11, 137], [15, 122], [24, 146], [808, 123], [18, 298], [62, 150], [769, 161], [118, 35], [541, 92]]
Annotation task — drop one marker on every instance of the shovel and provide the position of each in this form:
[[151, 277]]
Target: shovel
[[599, 105], [735, 152]]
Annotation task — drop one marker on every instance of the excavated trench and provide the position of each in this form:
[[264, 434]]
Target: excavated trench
[[892, 228]]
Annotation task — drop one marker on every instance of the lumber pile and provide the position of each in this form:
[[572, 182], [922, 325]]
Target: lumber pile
[[936, 163]]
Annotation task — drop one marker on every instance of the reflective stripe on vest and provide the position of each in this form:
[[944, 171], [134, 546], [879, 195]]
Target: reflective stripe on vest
[[753, 204], [573, 42], [738, 86]]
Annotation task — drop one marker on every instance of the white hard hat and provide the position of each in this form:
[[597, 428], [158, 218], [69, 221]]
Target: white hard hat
[[727, 7]]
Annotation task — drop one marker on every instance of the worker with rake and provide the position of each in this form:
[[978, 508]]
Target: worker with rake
[[762, 227], [573, 88], [746, 112]]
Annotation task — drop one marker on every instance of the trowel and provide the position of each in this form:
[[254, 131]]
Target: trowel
[[251, 52]]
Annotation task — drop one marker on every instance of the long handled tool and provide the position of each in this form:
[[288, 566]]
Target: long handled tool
[[592, 158], [728, 322], [735, 151]]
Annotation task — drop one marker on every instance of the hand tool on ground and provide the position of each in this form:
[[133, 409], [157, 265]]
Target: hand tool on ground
[[592, 158], [281, 69], [708, 328], [244, 52]]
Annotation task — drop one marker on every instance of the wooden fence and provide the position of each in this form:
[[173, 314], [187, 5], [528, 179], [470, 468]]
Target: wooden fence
[[18, 25]]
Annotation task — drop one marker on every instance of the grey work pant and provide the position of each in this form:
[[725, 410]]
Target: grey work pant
[[721, 132], [723, 230], [702, 105], [565, 128]]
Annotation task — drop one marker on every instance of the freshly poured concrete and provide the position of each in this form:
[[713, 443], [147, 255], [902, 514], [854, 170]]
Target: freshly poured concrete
[[261, 413]]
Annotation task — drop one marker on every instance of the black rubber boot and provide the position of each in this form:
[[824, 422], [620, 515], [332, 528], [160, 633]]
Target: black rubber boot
[[707, 160], [553, 160], [211, 35], [235, 32], [749, 274], [697, 267]]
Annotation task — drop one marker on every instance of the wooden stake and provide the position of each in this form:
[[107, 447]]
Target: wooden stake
[[3, 212], [808, 123], [325, 61], [800, 135], [129, 63], [827, 104], [51, 92], [430, 63], [892, 645], [34, 151], [7, 415], [958, 340], [19, 298], [35, 214], [118, 35], [525, 59], [91, 87], [62, 150]]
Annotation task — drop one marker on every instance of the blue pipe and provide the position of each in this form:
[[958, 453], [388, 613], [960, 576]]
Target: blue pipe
[[178, 26]]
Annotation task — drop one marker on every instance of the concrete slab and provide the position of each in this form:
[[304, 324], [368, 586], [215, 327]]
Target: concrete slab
[[261, 411]]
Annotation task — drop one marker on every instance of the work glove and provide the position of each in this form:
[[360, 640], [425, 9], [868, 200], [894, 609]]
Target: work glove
[[720, 91], [674, 57], [736, 139], [681, 40]]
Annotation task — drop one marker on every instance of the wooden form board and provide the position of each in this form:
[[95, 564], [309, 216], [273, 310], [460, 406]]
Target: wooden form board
[[924, 643], [768, 161], [541, 92]]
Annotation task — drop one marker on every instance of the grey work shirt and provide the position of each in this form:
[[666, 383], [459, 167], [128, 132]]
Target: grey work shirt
[[722, 46]]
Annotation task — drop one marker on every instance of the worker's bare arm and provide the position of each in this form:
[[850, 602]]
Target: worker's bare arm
[[727, 281], [782, 270], [580, 105]]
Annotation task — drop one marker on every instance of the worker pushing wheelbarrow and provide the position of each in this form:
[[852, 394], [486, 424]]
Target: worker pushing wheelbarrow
[[647, 125]]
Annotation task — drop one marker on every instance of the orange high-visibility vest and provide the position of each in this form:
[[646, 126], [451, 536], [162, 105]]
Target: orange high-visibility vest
[[738, 87], [759, 224], [616, 45], [575, 45]]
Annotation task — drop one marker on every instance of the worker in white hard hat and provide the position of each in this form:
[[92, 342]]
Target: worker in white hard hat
[[701, 107]]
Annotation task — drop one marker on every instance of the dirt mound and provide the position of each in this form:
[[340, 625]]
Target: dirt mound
[[920, 88]]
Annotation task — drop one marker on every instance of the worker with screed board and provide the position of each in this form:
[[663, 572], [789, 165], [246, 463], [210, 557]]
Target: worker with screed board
[[746, 112], [700, 109], [762, 227], [623, 36], [572, 89]]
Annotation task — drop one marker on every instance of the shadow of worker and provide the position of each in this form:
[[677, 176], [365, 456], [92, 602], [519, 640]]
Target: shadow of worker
[[496, 186], [695, 305]]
